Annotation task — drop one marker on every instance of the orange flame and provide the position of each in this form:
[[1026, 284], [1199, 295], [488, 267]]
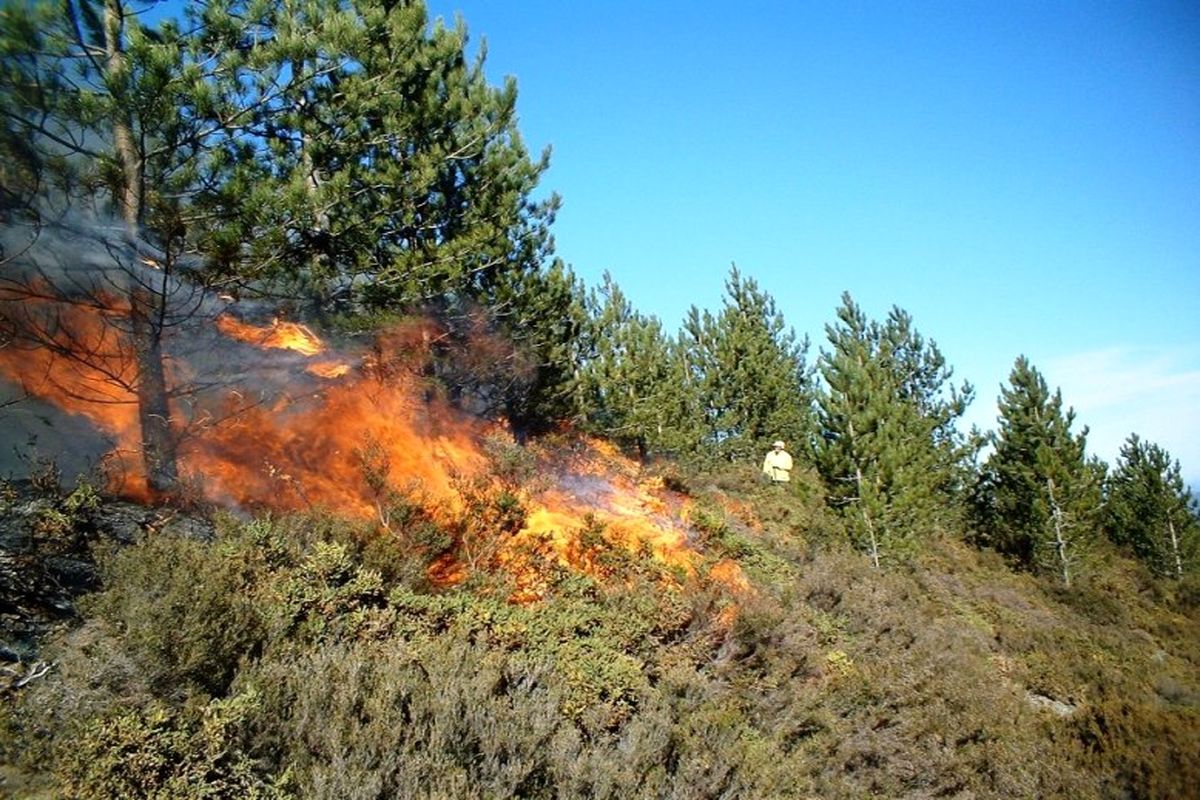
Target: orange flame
[[730, 575], [78, 362], [279, 335], [351, 440], [328, 369], [316, 451]]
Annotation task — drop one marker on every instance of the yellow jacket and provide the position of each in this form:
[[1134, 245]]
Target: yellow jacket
[[778, 466]]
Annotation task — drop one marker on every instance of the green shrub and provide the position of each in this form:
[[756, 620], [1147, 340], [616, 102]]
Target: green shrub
[[281, 649], [327, 596], [159, 753], [184, 609]]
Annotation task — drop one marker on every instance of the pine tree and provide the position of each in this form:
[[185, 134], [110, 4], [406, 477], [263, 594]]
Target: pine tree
[[628, 377], [333, 156], [1151, 511], [372, 165], [749, 371], [1039, 497], [373, 168], [543, 313], [683, 432], [889, 452]]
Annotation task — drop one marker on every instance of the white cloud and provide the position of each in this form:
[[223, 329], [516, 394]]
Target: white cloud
[[1118, 391]]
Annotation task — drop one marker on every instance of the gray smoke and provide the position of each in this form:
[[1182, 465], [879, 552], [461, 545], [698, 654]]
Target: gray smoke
[[88, 265]]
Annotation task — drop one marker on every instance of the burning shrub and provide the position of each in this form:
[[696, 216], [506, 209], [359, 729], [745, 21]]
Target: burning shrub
[[491, 515], [512, 465], [404, 551], [276, 419]]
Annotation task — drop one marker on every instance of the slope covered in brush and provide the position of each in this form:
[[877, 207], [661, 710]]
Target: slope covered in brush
[[302, 657]]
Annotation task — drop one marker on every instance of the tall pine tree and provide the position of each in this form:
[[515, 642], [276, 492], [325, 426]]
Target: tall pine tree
[[749, 371], [94, 134], [1151, 511], [365, 160], [373, 168], [889, 453], [628, 378], [1039, 497]]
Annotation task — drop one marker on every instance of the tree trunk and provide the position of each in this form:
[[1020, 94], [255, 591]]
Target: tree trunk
[[858, 478], [867, 518], [1060, 542], [1175, 548], [315, 281], [129, 193], [146, 305], [154, 412]]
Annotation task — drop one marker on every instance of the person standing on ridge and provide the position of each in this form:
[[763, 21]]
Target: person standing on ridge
[[778, 464]]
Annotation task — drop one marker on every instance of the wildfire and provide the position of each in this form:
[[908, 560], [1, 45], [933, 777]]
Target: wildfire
[[366, 432], [328, 369], [325, 449], [279, 335], [78, 363]]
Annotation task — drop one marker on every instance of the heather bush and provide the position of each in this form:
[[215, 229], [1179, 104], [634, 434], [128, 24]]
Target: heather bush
[[164, 753], [185, 610], [1145, 747], [442, 718], [281, 660]]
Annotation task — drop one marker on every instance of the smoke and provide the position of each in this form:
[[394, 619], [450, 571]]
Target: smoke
[[70, 295]]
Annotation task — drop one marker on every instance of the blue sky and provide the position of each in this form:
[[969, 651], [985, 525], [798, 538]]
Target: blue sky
[[1022, 177]]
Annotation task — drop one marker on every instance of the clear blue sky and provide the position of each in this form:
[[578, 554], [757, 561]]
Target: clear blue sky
[[1022, 177]]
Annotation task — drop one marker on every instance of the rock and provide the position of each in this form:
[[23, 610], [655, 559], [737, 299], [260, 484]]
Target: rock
[[1056, 707], [191, 528], [122, 522], [74, 574]]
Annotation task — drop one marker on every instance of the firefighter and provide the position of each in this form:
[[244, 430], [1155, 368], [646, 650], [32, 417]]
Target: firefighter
[[777, 466]]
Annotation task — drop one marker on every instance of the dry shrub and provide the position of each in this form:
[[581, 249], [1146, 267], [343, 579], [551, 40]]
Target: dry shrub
[[454, 718], [1146, 747], [390, 720], [913, 701]]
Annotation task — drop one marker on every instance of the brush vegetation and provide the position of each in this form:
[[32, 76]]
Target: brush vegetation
[[275, 660]]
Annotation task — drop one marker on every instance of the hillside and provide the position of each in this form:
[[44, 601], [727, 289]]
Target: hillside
[[301, 656], [324, 476]]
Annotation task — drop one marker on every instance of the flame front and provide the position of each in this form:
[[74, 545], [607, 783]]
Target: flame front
[[81, 364], [367, 427]]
